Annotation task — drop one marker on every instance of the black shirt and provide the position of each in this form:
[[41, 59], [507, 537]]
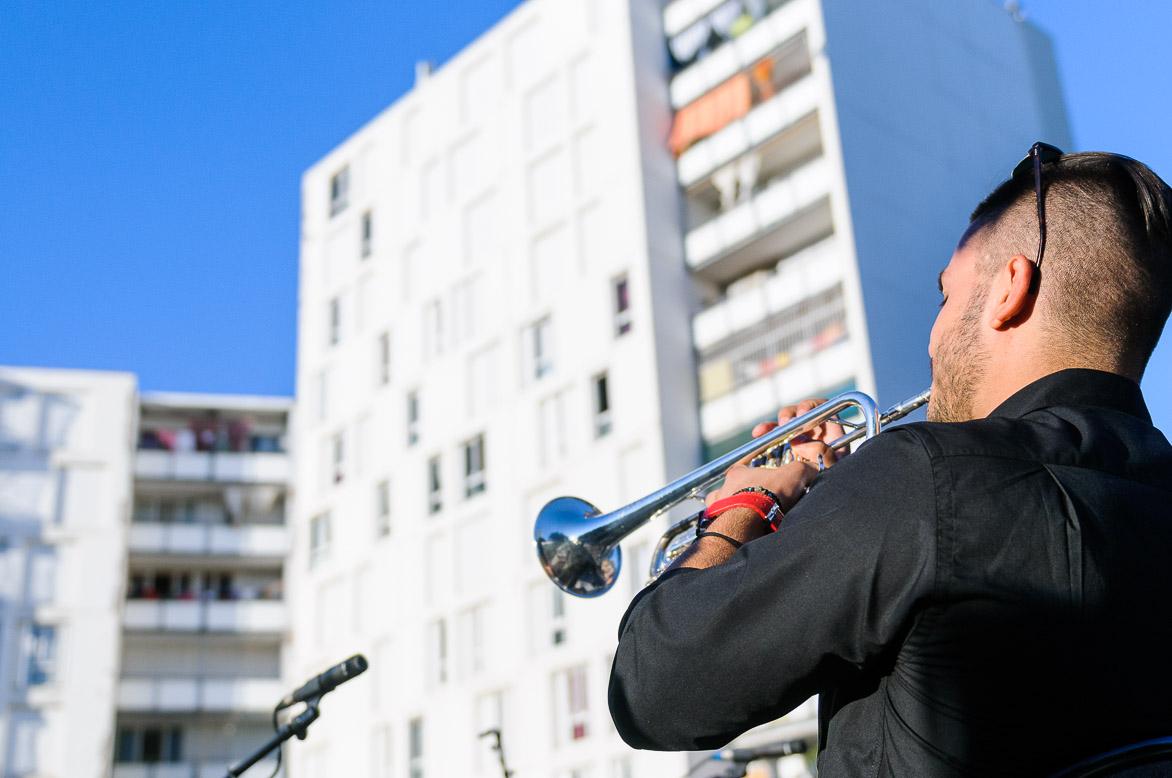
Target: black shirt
[[985, 598]]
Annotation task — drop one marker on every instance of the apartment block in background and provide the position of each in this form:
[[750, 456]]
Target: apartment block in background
[[828, 154], [493, 312], [66, 439], [204, 620]]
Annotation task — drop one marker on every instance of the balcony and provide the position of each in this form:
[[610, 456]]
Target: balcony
[[791, 211], [793, 353], [241, 617], [219, 466], [204, 695], [809, 272], [261, 540], [769, 119], [759, 399], [204, 769], [783, 25]]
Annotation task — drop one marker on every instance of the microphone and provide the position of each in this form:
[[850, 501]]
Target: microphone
[[772, 751], [326, 682]]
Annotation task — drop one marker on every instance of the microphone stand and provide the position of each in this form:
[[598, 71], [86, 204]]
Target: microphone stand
[[296, 726], [500, 750]]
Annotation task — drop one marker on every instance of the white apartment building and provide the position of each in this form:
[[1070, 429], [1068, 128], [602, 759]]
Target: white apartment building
[[142, 544], [65, 458], [566, 263], [204, 620]]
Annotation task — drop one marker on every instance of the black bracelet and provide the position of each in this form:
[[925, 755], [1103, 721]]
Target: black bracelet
[[761, 490], [708, 534]]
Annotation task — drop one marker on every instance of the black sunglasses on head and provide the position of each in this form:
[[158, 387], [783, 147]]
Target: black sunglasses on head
[[1038, 155]]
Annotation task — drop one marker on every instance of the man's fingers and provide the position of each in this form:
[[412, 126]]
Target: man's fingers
[[763, 427]]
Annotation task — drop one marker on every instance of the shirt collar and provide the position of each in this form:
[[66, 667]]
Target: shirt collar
[[1077, 386]]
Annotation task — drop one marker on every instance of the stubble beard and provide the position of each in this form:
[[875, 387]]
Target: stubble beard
[[959, 367]]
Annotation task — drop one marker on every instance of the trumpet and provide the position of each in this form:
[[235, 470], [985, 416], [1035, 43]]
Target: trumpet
[[578, 545]]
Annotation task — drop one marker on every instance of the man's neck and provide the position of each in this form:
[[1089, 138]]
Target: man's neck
[[1008, 378]]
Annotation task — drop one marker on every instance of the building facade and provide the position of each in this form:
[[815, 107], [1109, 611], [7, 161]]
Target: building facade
[[142, 545], [204, 620], [66, 439]]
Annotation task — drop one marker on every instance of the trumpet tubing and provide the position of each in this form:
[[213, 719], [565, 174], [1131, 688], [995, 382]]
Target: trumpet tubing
[[578, 545]]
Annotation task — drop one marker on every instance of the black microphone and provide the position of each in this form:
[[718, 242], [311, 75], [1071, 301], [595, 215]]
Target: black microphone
[[772, 751], [327, 681]]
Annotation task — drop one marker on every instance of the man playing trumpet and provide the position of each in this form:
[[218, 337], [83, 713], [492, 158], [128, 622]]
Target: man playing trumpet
[[986, 593]]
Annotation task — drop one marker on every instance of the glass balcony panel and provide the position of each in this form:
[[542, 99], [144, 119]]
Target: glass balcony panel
[[790, 212], [224, 466], [199, 694], [255, 616], [785, 24], [238, 616]]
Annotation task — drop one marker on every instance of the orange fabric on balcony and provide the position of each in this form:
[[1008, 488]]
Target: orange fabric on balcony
[[699, 119]]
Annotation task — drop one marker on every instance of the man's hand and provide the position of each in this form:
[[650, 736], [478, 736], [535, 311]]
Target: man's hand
[[789, 481]]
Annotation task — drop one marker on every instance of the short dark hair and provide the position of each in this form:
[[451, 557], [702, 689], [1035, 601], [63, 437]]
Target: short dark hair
[[1103, 212]]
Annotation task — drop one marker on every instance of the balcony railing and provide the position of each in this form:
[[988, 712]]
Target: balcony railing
[[209, 539], [185, 695], [784, 201], [758, 400], [805, 274], [245, 617], [765, 121], [222, 466], [758, 41], [201, 769]]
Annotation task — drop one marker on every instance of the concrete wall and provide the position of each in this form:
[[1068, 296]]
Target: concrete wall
[[936, 103], [66, 439]]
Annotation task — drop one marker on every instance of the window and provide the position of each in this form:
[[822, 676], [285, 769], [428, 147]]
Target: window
[[415, 747], [601, 406], [412, 417], [338, 457], [622, 306], [41, 654], [639, 558], [465, 308], [481, 386], [367, 233], [382, 509], [335, 333], [383, 359], [381, 752], [538, 346], [319, 538], [322, 392], [42, 583], [551, 425], [557, 617], [474, 466], [437, 652], [151, 745], [571, 709], [26, 731], [490, 710], [435, 490], [433, 329], [470, 637], [339, 191]]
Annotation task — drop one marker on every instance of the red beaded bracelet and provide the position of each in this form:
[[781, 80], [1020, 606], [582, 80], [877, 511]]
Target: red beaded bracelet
[[759, 504]]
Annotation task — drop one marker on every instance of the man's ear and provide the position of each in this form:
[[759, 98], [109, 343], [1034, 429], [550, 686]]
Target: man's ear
[[1012, 301]]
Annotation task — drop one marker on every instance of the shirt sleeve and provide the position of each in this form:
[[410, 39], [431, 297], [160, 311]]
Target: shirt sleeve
[[705, 655]]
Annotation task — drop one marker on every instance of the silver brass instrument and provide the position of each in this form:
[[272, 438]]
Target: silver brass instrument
[[578, 546]]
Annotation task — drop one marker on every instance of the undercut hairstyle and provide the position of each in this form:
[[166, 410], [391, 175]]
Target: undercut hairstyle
[[1105, 287]]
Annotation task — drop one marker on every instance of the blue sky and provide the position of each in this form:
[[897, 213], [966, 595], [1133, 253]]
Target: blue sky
[[150, 156]]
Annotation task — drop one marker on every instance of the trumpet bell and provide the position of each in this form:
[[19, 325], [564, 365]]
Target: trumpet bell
[[575, 548]]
